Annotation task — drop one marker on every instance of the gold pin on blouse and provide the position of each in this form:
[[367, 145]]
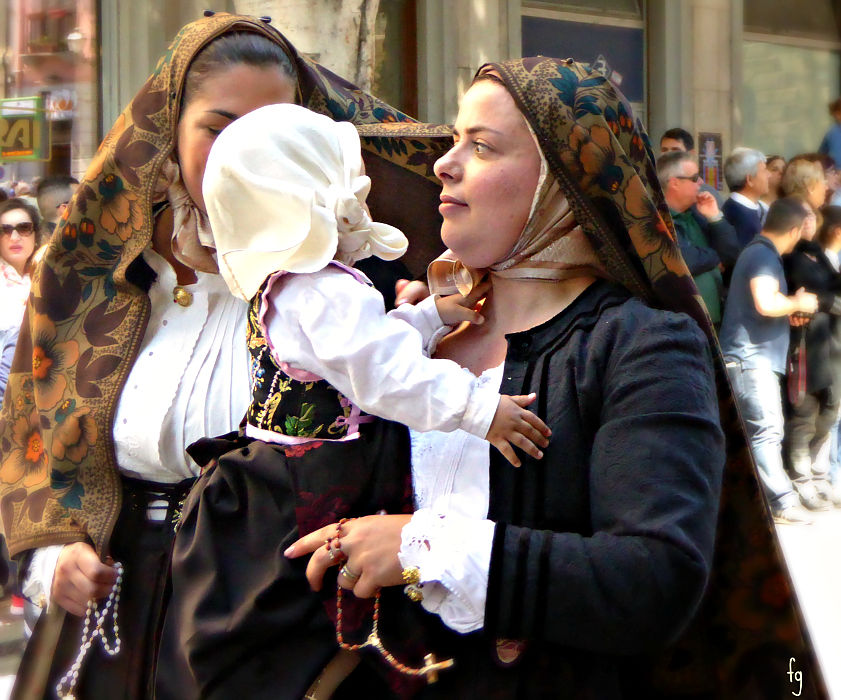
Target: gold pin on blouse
[[181, 296]]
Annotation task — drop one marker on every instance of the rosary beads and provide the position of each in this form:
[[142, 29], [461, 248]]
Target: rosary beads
[[67, 685]]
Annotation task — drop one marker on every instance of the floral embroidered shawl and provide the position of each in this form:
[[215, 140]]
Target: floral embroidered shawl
[[85, 321], [749, 623]]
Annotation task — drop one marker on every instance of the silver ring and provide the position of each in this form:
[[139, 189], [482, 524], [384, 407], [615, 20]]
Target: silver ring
[[348, 574]]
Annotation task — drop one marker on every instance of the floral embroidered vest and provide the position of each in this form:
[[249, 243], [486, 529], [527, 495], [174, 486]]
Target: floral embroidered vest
[[294, 406]]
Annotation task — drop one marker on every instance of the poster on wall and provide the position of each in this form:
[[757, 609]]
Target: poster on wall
[[709, 158]]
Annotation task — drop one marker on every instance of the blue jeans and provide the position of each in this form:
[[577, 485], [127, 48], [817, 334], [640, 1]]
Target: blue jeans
[[758, 395], [835, 453]]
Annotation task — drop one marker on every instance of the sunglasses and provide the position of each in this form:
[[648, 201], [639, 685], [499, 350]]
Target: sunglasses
[[24, 228]]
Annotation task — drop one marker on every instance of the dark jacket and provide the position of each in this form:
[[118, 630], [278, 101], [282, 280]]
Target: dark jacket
[[807, 266], [723, 245], [602, 548], [704, 246], [744, 220]]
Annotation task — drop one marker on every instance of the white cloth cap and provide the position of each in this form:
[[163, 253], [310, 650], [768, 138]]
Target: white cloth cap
[[285, 190]]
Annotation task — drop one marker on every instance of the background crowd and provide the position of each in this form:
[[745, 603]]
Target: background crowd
[[766, 262]]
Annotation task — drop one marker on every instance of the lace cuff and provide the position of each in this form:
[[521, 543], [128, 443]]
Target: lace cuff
[[38, 584], [453, 554]]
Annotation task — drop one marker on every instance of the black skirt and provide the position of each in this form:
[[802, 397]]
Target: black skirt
[[143, 547], [242, 620]]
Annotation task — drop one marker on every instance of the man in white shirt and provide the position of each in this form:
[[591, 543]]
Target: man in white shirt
[[747, 177]]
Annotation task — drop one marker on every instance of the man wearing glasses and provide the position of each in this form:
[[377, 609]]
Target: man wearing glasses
[[707, 241]]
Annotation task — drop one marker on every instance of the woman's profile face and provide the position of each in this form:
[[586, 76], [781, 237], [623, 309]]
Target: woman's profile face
[[816, 193], [775, 173], [224, 96], [17, 238], [489, 177]]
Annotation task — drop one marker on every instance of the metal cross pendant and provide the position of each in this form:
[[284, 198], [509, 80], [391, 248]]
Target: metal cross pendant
[[431, 667], [374, 641]]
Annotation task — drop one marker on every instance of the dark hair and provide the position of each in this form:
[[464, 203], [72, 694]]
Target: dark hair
[[831, 221], [16, 203], [827, 161], [681, 135], [52, 192], [489, 77], [776, 156], [835, 106], [785, 214], [55, 182], [234, 49]]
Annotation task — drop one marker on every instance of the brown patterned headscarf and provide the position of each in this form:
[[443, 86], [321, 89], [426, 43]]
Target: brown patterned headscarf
[[749, 623], [85, 320]]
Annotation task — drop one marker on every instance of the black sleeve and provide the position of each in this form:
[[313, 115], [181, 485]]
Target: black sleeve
[[654, 485], [724, 240]]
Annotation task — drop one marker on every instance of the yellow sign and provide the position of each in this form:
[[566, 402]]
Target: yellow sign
[[24, 132]]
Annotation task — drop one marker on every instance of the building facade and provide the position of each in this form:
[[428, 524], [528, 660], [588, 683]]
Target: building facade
[[753, 72]]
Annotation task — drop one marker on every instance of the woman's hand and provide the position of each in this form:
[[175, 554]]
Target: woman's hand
[[370, 545], [79, 577]]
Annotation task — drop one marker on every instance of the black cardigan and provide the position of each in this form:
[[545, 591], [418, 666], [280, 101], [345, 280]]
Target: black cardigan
[[808, 267], [603, 548]]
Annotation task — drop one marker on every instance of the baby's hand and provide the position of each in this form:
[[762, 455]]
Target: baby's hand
[[514, 425], [455, 309]]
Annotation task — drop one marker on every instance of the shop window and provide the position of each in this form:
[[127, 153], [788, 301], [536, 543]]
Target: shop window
[[613, 41], [616, 8], [791, 63], [53, 55], [787, 115], [820, 20]]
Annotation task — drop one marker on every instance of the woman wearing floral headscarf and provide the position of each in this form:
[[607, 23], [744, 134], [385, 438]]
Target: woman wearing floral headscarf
[[131, 350], [567, 575]]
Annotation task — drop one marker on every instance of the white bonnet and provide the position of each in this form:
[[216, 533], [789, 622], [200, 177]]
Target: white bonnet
[[285, 190]]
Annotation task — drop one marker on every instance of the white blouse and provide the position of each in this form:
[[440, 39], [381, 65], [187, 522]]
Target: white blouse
[[190, 378], [449, 538], [14, 291]]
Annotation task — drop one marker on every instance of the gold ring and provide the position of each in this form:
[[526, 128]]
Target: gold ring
[[348, 574]]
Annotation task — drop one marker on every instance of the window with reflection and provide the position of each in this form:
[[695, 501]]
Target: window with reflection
[[791, 71], [52, 54]]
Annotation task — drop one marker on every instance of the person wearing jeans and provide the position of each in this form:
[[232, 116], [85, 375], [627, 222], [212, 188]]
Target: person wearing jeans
[[754, 341]]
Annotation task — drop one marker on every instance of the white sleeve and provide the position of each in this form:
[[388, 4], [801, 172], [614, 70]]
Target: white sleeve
[[330, 325], [453, 554], [425, 319], [38, 584]]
